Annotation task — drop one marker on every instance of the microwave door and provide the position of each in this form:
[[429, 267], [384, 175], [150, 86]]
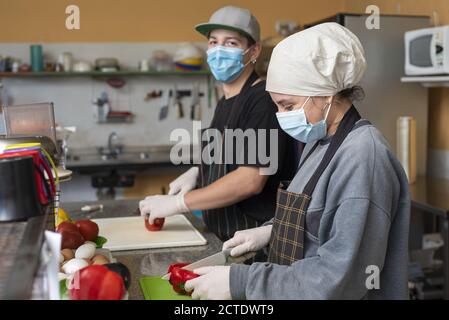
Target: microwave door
[[421, 55], [433, 51]]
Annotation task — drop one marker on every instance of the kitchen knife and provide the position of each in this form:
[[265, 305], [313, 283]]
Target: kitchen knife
[[221, 258]]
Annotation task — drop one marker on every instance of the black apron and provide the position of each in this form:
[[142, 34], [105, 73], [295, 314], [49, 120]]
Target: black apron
[[224, 222], [287, 237]]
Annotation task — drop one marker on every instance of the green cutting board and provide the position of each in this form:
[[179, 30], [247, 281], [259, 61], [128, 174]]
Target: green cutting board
[[155, 288]]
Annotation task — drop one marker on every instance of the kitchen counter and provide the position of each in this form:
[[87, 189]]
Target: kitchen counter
[[82, 158], [149, 262], [20, 246]]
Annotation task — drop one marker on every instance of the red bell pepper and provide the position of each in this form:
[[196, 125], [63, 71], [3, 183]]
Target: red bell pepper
[[179, 276], [96, 282]]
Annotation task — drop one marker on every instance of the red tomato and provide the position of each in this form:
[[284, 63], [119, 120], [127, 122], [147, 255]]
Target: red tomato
[[156, 226], [96, 282], [88, 229], [66, 225], [71, 239]]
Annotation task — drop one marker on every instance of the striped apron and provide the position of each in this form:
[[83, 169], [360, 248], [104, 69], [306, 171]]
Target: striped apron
[[224, 222], [287, 237]]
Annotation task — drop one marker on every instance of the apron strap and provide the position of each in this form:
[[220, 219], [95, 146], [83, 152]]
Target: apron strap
[[346, 126], [308, 155]]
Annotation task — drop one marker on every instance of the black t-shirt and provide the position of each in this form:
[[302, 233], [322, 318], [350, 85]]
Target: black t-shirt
[[257, 111]]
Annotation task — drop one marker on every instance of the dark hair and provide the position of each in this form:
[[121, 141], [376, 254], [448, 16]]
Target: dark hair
[[250, 40], [355, 93]]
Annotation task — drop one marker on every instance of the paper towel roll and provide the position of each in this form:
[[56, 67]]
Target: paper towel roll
[[406, 146]]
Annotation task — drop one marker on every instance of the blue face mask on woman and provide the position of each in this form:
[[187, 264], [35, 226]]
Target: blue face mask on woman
[[226, 63], [296, 125]]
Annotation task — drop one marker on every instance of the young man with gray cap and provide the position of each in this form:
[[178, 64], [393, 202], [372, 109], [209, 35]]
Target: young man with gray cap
[[232, 196], [341, 225]]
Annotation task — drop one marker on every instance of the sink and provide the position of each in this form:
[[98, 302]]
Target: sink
[[110, 157], [109, 153], [98, 156]]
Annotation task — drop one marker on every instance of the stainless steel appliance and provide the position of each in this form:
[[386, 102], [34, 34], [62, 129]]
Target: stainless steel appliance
[[18, 192], [427, 51]]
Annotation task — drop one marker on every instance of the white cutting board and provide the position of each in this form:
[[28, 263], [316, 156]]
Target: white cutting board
[[129, 233]]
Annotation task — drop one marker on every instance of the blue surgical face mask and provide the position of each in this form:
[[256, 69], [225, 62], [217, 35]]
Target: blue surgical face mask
[[226, 63], [296, 125]]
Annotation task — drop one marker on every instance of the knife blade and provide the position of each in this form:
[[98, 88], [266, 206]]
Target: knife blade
[[218, 259]]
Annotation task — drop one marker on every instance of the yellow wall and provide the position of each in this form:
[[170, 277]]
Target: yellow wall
[[141, 20], [439, 98]]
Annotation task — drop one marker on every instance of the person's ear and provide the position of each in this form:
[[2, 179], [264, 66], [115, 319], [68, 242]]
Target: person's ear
[[255, 52], [331, 100]]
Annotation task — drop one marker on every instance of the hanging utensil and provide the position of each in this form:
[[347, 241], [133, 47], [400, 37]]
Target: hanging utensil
[[163, 113], [195, 111], [178, 104]]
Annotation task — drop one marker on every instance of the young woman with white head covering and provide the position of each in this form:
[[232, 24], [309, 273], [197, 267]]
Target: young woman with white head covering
[[345, 215]]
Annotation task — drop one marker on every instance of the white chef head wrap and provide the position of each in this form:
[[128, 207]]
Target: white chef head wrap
[[320, 61]]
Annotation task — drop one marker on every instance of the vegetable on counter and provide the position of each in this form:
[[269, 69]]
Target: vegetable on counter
[[156, 226], [179, 276], [88, 229], [71, 239], [96, 282], [74, 234], [122, 270]]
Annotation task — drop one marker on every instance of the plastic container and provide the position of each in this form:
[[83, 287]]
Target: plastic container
[[30, 120]]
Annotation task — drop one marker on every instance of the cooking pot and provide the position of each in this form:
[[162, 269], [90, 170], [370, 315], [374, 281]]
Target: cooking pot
[[19, 198]]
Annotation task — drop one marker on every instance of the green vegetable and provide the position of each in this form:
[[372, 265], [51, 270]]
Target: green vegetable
[[63, 292], [100, 241]]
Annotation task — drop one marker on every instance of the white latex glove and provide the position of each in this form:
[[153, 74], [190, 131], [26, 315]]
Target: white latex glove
[[249, 240], [162, 206], [185, 182], [213, 284]]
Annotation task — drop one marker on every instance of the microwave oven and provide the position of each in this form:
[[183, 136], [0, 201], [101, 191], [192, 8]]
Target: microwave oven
[[427, 51]]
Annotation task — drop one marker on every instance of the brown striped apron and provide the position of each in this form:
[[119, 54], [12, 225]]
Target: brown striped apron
[[287, 237], [224, 222]]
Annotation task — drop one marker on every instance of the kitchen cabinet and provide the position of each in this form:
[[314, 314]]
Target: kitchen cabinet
[[431, 196]]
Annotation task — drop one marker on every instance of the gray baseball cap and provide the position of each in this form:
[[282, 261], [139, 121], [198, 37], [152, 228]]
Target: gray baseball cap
[[232, 18]]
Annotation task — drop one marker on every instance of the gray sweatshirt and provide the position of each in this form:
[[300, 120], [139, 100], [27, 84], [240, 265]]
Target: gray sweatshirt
[[358, 217]]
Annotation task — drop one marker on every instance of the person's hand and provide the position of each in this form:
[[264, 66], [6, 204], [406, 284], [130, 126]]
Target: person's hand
[[213, 284], [185, 182], [249, 240], [162, 206]]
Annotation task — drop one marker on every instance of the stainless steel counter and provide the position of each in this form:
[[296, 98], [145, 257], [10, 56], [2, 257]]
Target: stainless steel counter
[[88, 157], [150, 262]]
